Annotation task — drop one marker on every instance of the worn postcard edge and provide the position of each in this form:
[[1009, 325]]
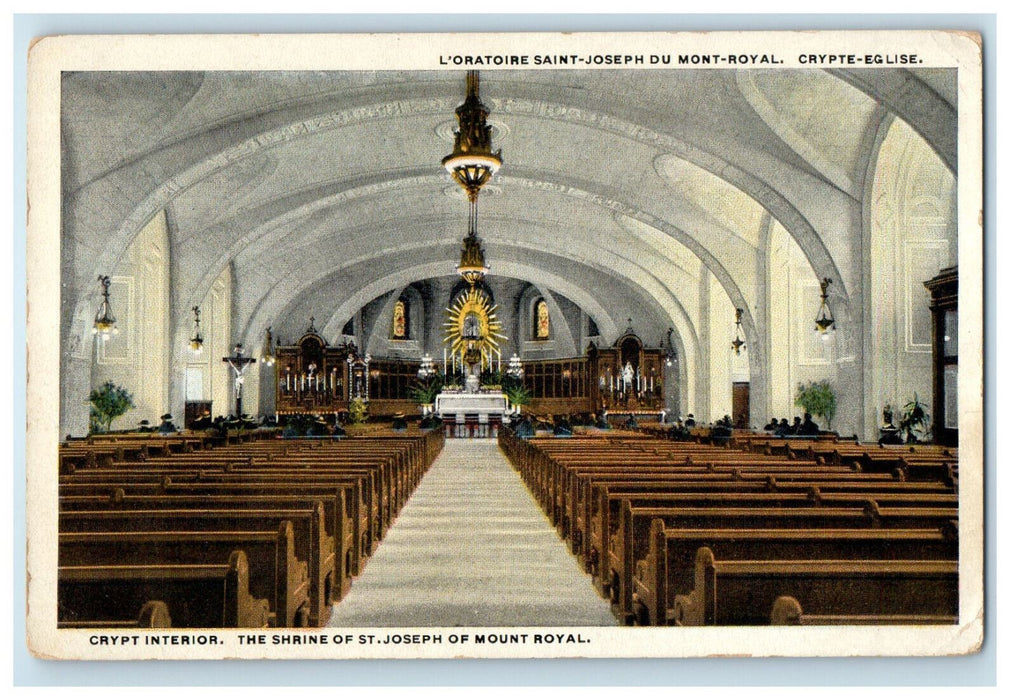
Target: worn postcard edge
[[51, 55]]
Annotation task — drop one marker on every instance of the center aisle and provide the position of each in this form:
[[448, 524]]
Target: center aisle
[[472, 548]]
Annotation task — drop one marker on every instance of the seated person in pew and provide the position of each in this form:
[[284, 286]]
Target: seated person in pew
[[203, 423], [631, 423], [771, 426], [562, 427], [808, 427], [399, 421], [337, 428], [602, 422], [783, 429], [167, 427], [722, 428], [525, 428]]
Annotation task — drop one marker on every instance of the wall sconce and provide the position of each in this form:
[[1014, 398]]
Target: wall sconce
[[267, 356], [105, 323], [825, 323], [737, 344], [197, 342]]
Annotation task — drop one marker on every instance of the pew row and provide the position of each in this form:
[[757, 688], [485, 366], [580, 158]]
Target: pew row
[[199, 595]]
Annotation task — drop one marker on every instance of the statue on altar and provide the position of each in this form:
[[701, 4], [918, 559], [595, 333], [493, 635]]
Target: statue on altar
[[628, 374]]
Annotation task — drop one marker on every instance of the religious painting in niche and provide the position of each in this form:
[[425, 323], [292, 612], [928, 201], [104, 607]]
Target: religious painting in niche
[[541, 321], [399, 331]]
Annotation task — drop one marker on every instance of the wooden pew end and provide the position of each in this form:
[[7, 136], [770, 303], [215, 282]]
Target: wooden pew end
[[786, 611], [154, 615]]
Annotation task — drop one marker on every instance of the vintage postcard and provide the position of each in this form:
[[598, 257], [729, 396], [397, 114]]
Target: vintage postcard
[[505, 345]]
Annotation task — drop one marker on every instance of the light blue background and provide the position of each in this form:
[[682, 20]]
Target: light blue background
[[979, 669]]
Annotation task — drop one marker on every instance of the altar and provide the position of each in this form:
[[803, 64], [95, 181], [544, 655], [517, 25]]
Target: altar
[[466, 415], [455, 403]]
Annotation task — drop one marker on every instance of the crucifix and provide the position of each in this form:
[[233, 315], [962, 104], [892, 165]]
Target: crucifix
[[238, 363]]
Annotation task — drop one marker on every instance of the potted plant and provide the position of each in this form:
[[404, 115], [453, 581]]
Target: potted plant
[[517, 396], [107, 403], [424, 393], [818, 399], [914, 420], [357, 416]]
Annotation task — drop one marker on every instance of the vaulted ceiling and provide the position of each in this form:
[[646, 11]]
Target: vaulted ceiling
[[618, 187]]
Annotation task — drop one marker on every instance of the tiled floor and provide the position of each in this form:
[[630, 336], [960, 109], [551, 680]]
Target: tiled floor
[[472, 548]]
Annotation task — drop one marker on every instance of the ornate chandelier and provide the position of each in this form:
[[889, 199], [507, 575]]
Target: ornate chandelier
[[471, 164], [824, 318], [105, 323], [197, 341], [267, 355], [737, 344]]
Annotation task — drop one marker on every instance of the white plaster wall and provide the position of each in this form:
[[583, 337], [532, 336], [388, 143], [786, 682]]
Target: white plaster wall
[[721, 321], [216, 383], [137, 357], [797, 356], [914, 236]]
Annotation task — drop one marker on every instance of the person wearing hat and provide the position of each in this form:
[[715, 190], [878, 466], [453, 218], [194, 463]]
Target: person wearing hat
[[399, 422], [690, 422], [167, 426]]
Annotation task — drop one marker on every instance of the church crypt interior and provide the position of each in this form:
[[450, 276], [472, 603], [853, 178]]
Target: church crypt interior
[[559, 347]]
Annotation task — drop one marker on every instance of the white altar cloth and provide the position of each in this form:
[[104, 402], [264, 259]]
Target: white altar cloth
[[450, 404]]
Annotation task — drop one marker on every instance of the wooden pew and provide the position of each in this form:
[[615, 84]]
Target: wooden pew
[[744, 592], [200, 595], [632, 540], [585, 505], [788, 611], [337, 525], [374, 514], [312, 543], [275, 573], [154, 614], [598, 519], [669, 566], [355, 496]]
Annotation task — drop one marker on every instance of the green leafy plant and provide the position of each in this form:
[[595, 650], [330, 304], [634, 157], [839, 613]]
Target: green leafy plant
[[818, 399], [358, 411], [914, 420], [424, 393], [517, 395], [107, 403]]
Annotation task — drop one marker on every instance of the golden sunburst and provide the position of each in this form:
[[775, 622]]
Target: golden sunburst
[[472, 324]]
